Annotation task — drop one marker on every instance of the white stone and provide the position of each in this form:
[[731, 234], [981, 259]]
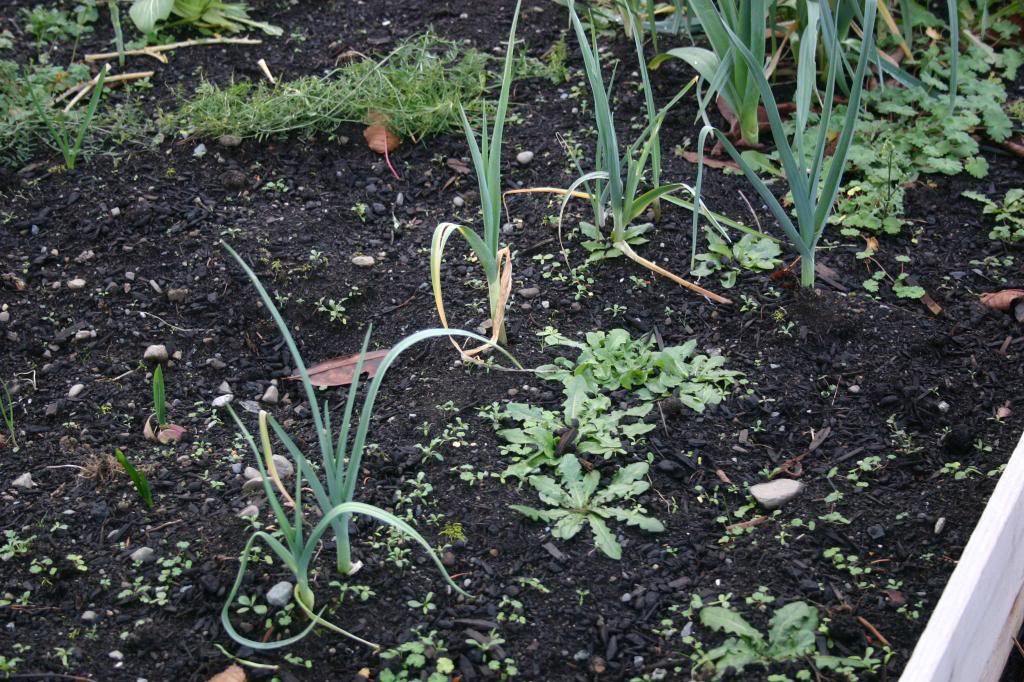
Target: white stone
[[116, 655], [77, 283], [24, 482], [280, 594], [76, 390], [251, 474], [523, 158], [143, 555], [222, 400], [776, 493], [156, 353], [363, 261], [271, 395]]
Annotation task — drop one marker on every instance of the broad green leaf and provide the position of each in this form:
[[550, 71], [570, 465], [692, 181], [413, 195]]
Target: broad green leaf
[[721, 619], [569, 525], [792, 630], [146, 13], [576, 390], [603, 538]]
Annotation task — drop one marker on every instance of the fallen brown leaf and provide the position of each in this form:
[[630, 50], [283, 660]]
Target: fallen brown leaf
[[711, 163], [233, 673], [339, 371], [1002, 300], [458, 165], [380, 139]]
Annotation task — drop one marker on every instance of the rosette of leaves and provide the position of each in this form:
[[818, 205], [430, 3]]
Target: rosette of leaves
[[588, 426], [749, 253], [609, 361], [207, 15], [791, 636], [576, 501]]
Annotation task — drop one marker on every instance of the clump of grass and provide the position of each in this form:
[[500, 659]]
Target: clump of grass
[[418, 86], [24, 133]]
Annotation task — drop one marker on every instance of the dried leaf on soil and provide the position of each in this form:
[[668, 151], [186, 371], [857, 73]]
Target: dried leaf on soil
[[711, 163], [380, 139], [1006, 300], [233, 673], [339, 371]]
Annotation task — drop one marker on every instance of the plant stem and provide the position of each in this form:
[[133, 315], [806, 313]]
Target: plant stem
[[807, 272]]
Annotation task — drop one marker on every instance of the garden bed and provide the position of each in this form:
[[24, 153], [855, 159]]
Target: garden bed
[[902, 417]]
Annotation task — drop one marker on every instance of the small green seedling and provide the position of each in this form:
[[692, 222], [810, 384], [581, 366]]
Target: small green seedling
[[7, 415], [1009, 215], [58, 127], [138, 478], [164, 432]]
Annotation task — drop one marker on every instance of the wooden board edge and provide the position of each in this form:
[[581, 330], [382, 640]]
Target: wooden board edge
[[967, 638]]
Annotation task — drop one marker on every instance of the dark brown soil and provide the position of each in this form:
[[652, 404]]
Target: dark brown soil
[[884, 376]]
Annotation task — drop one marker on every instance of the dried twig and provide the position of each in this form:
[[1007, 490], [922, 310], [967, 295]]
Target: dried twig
[[155, 51], [85, 88], [874, 631]]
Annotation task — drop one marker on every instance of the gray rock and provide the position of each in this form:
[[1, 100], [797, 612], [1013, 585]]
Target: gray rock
[[363, 261], [216, 363], [85, 256], [251, 473], [85, 334], [76, 390], [280, 594], [5, 317], [229, 140], [284, 466], [177, 295], [271, 395], [459, 202], [143, 555], [249, 511], [222, 400], [224, 387], [90, 617], [116, 655], [776, 493], [529, 292], [199, 151], [24, 482], [77, 283], [253, 485], [524, 158], [156, 353]]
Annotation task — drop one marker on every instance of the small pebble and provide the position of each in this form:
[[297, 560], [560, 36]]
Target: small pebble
[[524, 158], [156, 353], [459, 202], [940, 525], [76, 390], [143, 555], [284, 466], [90, 617], [280, 594], [249, 511], [24, 482], [229, 140], [77, 283], [116, 655], [199, 151], [529, 292], [363, 261], [177, 295], [222, 400], [271, 395]]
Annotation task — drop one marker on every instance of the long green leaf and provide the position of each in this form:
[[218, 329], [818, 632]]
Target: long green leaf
[[137, 477]]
